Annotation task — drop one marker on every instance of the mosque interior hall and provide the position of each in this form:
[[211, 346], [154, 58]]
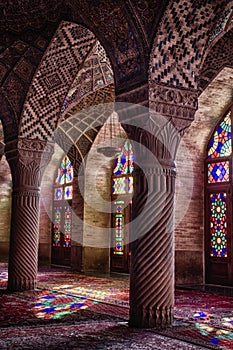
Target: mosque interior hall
[[116, 174]]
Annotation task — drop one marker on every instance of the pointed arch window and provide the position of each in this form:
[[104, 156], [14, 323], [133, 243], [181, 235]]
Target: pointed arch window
[[63, 194], [122, 189], [218, 191]]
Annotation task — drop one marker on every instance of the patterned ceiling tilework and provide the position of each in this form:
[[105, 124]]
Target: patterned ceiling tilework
[[18, 64], [105, 94], [18, 15], [14, 84], [181, 40], [221, 24], [108, 18], [95, 74], [220, 56], [149, 13], [68, 49], [8, 118]]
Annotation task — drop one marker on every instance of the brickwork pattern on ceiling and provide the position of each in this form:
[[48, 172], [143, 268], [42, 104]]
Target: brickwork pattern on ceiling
[[109, 19], [8, 118], [67, 51], [148, 12], [105, 94], [18, 64], [18, 15], [181, 40], [96, 73], [220, 56], [221, 24]]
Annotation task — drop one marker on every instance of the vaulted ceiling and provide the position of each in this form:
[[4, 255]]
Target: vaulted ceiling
[[127, 29]]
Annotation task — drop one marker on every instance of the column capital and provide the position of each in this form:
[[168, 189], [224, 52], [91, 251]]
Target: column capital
[[28, 159], [175, 103]]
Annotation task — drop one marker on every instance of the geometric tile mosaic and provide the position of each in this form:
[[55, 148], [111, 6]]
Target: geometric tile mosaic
[[58, 68], [220, 56], [181, 41], [95, 74]]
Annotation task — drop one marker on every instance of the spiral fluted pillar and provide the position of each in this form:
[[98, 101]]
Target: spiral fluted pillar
[[152, 267], [27, 160]]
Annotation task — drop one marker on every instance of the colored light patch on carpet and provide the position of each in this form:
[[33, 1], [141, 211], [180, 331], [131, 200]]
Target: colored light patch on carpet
[[97, 293], [56, 306], [3, 279], [221, 338], [202, 316], [3, 276]]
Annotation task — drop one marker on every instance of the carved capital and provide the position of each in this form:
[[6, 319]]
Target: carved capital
[[173, 102], [28, 159]]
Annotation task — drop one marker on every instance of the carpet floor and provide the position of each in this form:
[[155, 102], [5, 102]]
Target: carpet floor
[[72, 311]]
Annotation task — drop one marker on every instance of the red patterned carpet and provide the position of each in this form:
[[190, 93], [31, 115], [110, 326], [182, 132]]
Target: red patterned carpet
[[73, 311]]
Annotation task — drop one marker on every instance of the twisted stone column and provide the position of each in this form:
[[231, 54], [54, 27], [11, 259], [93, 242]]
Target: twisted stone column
[[157, 130], [27, 160], [152, 267]]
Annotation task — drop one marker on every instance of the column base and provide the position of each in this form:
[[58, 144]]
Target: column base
[[21, 284], [151, 317]]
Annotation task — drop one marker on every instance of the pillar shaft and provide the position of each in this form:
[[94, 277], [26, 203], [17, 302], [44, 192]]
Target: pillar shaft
[[27, 159], [152, 268], [156, 131]]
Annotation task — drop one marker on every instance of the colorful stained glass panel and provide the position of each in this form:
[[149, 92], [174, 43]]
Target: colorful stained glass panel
[[220, 144], [124, 162], [119, 185], [57, 227], [119, 228], [58, 193], [218, 172], [218, 225], [130, 184], [68, 192], [65, 172], [67, 227]]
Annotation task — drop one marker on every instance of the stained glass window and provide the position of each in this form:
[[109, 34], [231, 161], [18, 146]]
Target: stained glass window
[[124, 162], [65, 172], [220, 143], [122, 181], [67, 227], [119, 228], [218, 172], [57, 227], [122, 187], [64, 180], [63, 194], [218, 225], [219, 177]]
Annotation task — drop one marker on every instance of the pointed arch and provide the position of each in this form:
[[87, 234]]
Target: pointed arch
[[218, 194], [62, 213], [122, 189]]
